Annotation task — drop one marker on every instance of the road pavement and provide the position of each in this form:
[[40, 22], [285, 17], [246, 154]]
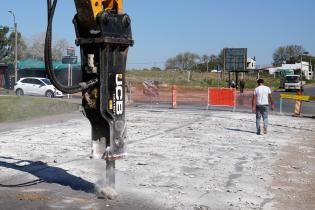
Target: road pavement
[[308, 108]]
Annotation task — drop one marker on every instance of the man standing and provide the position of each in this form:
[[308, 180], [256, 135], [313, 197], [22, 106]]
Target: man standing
[[260, 104]]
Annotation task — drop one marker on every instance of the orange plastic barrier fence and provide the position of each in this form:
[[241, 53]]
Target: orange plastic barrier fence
[[222, 97]]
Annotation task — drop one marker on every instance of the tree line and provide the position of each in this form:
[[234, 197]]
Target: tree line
[[33, 48], [289, 54], [193, 61]]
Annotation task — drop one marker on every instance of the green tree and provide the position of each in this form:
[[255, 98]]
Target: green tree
[[287, 54], [4, 44], [21, 47], [183, 61], [213, 62], [204, 59], [221, 58], [154, 68], [7, 46]]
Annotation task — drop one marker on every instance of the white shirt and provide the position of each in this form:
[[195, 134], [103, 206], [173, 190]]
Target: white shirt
[[262, 92]]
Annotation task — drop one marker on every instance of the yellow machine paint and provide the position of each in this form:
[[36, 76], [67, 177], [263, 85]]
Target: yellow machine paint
[[107, 5], [110, 104], [87, 10]]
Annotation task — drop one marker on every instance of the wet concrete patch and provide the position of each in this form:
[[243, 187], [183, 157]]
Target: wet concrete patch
[[231, 178], [238, 169]]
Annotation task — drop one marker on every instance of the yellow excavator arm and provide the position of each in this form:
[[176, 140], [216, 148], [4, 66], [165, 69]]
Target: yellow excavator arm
[[103, 34]]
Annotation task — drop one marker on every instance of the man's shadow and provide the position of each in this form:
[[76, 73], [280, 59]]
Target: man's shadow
[[235, 129], [45, 173]]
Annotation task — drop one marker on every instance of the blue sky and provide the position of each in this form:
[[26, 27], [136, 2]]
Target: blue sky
[[163, 28]]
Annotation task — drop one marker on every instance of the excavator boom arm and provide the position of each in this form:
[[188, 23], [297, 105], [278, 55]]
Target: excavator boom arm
[[103, 34]]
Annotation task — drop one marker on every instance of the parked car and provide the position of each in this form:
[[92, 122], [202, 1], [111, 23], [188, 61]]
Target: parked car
[[215, 71], [37, 87]]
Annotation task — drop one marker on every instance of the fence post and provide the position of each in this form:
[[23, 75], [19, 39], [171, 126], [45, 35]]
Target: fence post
[[174, 102], [208, 102], [234, 108], [130, 92], [131, 98]]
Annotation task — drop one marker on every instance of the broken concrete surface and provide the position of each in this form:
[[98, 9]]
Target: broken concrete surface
[[176, 160]]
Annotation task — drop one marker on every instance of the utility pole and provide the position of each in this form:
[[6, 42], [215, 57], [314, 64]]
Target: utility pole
[[301, 66], [15, 48], [218, 75], [207, 65]]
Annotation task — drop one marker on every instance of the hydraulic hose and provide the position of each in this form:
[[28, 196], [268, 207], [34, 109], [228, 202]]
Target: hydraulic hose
[[48, 58]]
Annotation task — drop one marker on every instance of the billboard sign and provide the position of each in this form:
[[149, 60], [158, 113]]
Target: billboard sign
[[235, 59]]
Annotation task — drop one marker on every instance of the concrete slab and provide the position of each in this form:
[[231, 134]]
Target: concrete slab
[[176, 160]]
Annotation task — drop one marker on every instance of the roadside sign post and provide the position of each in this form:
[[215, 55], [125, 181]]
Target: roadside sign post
[[218, 68], [281, 104], [69, 59], [69, 77], [235, 61]]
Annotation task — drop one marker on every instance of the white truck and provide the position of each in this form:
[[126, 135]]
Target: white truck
[[293, 82]]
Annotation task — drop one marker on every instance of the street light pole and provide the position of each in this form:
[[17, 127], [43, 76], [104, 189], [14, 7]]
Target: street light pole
[[15, 48], [207, 65]]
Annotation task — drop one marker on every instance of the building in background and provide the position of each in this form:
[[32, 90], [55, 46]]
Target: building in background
[[303, 67], [36, 68], [251, 63]]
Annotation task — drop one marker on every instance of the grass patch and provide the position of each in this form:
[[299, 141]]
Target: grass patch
[[13, 108], [310, 82]]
